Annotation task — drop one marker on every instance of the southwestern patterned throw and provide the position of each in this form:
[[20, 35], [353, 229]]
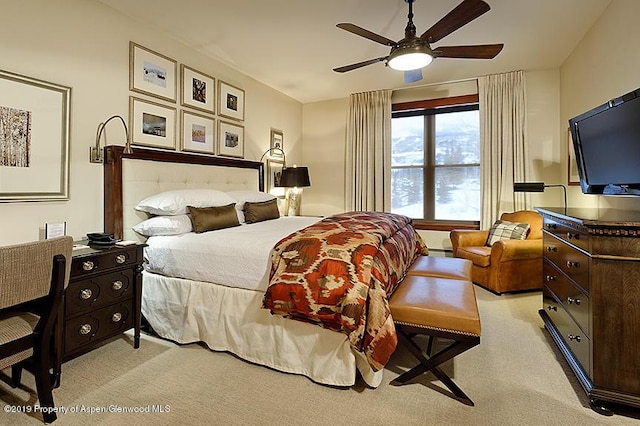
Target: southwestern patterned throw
[[339, 272]]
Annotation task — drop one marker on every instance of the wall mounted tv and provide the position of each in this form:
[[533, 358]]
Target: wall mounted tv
[[606, 141]]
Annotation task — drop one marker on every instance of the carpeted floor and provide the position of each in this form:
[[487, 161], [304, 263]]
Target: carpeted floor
[[515, 377]]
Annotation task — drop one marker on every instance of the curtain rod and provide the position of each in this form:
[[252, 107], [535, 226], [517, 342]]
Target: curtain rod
[[462, 80]]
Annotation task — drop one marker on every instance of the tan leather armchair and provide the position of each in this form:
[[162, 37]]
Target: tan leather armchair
[[508, 265]]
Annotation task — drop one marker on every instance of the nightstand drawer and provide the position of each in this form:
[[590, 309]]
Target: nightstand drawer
[[575, 301], [103, 260], [96, 325], [98, 291], [570, 260]]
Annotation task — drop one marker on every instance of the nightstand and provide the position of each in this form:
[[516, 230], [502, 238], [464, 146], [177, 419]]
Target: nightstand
[[102, 300]]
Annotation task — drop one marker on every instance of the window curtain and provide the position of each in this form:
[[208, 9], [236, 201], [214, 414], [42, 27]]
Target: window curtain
[[368, 156], [503, 134]]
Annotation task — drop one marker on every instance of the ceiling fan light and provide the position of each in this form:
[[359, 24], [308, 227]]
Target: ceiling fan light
[[409, 61]]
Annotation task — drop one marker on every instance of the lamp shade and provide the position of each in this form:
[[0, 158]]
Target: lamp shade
[[528, 187], [295, 177]]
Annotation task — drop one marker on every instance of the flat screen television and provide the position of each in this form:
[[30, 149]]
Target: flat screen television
[[606, 141]]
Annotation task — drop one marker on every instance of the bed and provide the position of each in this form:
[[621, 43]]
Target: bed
[[224, 311]]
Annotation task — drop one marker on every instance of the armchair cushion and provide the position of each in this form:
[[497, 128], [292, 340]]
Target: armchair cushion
[[505, 230]]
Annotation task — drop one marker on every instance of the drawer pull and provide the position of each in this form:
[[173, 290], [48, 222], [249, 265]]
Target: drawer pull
[[85, 329], [571, 236], [571, 264], [552, 308], [550, 278], [85, 293], [88, 265], [116, 317], [551, 226], [116, 285], [577, 338], [121, 258], [571, 300], [552, 249]]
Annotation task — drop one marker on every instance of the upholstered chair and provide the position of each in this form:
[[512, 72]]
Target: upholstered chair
[[509, 264], [32, 279]]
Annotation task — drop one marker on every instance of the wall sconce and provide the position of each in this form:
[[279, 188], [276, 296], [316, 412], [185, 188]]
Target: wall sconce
[[294, 178], [95, 153], [539, 187]]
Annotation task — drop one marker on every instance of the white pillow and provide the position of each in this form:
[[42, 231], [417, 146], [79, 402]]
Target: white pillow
[[164, 225], [241, 197], [176, 202]]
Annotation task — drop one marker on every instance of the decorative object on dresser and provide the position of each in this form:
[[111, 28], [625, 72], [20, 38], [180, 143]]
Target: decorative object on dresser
[[102, 300], [152, 124], [509, 264], [152, 73], [591, 299]]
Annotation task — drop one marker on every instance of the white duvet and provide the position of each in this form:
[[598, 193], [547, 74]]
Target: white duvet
[[234, 257]]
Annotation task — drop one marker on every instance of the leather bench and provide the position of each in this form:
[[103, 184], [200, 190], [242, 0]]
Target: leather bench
[[444, 267], [440, 308]]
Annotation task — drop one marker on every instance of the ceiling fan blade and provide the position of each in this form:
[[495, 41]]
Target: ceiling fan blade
[[412, 76], [464, 13], [359, 64], [480, 51], [366, 34]]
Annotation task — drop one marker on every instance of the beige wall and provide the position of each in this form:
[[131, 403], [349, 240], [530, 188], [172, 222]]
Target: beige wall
[[324, 127], [85, 45], [603, 66]]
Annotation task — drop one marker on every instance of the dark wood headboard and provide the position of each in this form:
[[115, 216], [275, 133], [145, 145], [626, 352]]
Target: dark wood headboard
[[113, 206]]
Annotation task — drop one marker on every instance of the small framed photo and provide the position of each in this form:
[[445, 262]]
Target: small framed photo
[[152, 124], [231, 101], [277, 143], [197, 133], [573, 175], [152, 73], [54, 230], [274, 174], [198, 89], [230, 139]]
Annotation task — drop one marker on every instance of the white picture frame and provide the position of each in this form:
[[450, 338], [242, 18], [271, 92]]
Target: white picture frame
[[152, 124], [151, 73], [230, 101], [230, 139], [198, 133], [198, 90]]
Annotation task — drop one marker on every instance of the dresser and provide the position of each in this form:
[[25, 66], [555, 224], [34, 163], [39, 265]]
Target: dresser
[[102, 300], [591, 299]]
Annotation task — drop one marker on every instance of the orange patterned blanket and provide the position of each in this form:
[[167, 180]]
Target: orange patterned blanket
[[339, 272]]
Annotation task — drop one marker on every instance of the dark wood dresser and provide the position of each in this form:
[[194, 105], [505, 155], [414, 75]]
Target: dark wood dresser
[[591, 299], [102, 299]]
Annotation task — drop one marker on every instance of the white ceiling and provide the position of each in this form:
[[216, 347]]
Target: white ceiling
[[293, 45]]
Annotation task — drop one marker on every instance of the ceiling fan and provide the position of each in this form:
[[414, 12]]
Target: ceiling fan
[[413, 53]]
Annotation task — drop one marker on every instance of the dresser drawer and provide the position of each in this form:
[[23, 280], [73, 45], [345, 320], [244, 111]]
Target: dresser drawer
[[97, 325], [98, 291], [568, 259], [573, 337], [579, 238], [572, 298], [103, 260]]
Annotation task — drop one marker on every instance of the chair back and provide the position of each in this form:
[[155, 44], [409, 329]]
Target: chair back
[[26, 269], [531, 217]]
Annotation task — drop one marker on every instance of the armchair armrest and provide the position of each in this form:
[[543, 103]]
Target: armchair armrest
[[467, 237], [506, 250]]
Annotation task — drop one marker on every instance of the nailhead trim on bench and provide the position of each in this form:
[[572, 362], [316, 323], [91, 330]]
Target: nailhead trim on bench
[[446, 330]]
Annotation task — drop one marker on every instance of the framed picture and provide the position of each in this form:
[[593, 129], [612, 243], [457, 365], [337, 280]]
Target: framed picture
[[152, 73], [152, 124], [34, 139], [231, 101], [277, 141], [230, 139], [198, 89], [197, 133], [573, 175], [274, 173]]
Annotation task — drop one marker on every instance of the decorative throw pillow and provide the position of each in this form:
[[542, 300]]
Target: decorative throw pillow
[[211, 218], [176, 201], [164, 225], [244, 196], [505, 230], [260, 211]]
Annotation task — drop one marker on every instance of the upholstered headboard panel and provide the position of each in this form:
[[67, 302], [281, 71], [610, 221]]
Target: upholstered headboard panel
[[129, 178]]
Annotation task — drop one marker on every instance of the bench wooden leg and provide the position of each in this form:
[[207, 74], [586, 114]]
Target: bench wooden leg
[[459, 344]]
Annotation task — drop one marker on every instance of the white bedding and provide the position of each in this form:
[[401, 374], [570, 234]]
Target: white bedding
[[234, 257]]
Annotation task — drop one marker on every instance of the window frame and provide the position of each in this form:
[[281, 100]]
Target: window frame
[[429, 109]]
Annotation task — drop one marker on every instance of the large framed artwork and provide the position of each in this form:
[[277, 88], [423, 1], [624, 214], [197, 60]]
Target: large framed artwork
[[34, 139], [152, 73], [152, 124], [230, 139], [274, 174], [197, 133], [573, 177], [198, 89], [231, 103]]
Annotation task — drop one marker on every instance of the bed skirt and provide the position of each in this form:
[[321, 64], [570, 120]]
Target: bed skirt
[[233, 320]]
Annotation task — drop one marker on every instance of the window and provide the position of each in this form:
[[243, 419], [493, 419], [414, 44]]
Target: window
[[435, 165]]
